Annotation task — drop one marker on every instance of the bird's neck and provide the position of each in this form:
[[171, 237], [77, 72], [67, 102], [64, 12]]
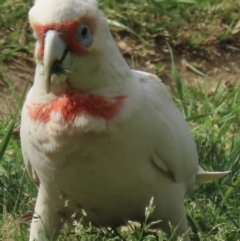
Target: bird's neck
[[107, 75]]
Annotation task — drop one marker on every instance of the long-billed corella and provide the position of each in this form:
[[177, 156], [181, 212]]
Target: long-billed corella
[[97, 135]]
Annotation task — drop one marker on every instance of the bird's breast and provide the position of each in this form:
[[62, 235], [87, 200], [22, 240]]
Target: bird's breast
[[92, 169]]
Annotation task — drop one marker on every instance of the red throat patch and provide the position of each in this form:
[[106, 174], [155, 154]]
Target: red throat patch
[[72, 105]]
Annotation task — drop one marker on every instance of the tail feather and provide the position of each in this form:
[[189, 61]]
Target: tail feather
[[204, 177]]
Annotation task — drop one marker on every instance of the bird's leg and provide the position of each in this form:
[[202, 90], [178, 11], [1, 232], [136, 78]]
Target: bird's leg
[[46, 221]]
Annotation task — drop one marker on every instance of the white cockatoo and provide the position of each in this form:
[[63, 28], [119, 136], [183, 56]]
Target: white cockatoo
[[97, 135]]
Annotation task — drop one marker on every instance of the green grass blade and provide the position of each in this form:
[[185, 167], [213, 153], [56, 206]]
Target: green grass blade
[[7, 137]]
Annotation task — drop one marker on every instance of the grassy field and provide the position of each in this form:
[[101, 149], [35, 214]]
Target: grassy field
[[203, 78]]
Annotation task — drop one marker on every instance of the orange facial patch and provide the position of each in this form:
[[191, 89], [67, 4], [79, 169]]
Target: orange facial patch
[[70, 106], [66, 30]]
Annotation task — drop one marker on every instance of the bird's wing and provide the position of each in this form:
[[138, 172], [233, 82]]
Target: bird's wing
[[173, 147]]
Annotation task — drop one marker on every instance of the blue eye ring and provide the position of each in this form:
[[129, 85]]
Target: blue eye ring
[[84, 35]]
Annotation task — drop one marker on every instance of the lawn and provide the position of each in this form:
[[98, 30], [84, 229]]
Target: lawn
[[201, 69]]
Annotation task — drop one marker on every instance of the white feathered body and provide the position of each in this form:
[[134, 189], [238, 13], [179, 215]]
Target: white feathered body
[[112, 168]]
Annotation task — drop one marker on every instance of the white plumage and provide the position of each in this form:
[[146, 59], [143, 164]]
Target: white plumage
[[125, 141]]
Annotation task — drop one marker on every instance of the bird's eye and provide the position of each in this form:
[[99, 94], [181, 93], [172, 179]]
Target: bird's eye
[[84, 31], [84, 35]]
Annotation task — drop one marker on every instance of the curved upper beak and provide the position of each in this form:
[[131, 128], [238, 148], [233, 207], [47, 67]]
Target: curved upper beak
[[55, 50]]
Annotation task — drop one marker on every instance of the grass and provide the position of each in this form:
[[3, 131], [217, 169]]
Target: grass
[[212, 111]]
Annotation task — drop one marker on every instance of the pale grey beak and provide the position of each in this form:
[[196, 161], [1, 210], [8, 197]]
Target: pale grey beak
[[55, 50]]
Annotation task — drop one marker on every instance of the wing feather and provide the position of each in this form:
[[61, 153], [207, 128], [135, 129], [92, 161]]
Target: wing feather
[[173, 148]]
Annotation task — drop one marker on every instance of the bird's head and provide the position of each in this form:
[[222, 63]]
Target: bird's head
[[74, 46]]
